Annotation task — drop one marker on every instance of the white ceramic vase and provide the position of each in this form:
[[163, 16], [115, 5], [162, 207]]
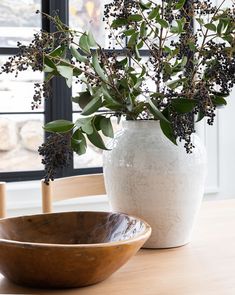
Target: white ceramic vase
[[148, 176]]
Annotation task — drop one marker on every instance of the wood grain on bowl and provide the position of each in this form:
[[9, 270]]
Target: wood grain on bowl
[[70, 249]]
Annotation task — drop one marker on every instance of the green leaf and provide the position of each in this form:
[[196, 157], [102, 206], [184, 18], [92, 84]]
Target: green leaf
[[60, 126], [143, 29], [119, 22], [184, 61], [85, 124], [192, 46], [223, 24], [137, 54], [156, 32], [155, 111], [91, 39], [200, 21], [129, 32], [174, 30], [59, 51], [180, 4], [219, 101], [135, 17], [184, 105], [167, 70], [167, 49], [163, 23], [176, 83], [78, 142], [47, 69], [220, 27], [82, 99], [84, 45], [123, 62], [140, 44], [77, 55], [145, 5], [200, 116], [96, 120], [106, 127], [67, 73], [153, 13], [230, 39], [221, 94], [109, 99], [210, 27], [77, 72], [133, 40], [99, 71], [129, 103], [180, 26], [96, 139], [92, 106], [49, 63], [168, 131], [143, 72]]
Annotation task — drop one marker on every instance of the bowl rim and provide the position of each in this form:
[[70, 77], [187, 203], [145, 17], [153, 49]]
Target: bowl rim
[[140, 236]]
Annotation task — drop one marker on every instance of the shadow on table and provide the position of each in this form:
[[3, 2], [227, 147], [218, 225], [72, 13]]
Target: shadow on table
[[7, 287]]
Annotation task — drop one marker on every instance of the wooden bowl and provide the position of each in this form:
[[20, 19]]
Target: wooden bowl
[[70, 249]]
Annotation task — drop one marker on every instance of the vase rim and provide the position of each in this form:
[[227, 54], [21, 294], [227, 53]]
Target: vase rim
[[140, 123]]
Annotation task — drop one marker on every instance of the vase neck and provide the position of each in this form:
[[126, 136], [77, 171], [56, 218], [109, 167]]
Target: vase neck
[[141, 124]]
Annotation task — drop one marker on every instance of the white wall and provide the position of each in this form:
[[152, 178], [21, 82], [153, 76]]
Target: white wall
[[220, 144]]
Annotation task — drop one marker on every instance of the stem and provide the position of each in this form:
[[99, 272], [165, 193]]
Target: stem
[[160, 50], [204, 42], [111, 74], [76, 68]]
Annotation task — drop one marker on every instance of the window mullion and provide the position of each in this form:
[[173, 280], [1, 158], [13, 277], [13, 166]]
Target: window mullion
[[59, 104]]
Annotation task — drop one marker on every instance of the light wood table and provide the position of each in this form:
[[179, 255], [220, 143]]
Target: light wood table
[[206, 266]]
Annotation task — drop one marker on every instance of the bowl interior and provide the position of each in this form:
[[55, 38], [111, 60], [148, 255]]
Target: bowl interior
[[71, 228]]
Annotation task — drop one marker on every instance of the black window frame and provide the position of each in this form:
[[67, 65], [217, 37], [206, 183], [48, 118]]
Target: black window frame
[[59, 105]]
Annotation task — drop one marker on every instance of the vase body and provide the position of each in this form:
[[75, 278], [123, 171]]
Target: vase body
[[148, 176]]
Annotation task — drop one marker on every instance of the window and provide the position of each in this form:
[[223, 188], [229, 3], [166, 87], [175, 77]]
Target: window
[[20, 127]]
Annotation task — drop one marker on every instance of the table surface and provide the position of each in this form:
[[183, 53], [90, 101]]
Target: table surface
[[206, 266]]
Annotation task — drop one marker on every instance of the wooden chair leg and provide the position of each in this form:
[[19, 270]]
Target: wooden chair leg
[[46, 197], [2, 199]]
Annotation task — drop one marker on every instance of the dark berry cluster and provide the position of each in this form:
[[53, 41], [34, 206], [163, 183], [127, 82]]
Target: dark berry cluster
[[183, 127], [56, 153], [120, 9], [220, 66], [205, 105], [204, 7], [41, 90], [30, 56]]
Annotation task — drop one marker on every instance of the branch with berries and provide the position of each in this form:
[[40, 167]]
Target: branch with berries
[[191, 70]]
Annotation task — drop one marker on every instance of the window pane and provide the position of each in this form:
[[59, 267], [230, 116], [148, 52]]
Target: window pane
[[76, 88], [18, 21], [20, 137], [88, 15], [16, 94]]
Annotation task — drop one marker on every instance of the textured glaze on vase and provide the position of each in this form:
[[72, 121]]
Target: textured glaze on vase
[[70, 249], [148, 176]]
